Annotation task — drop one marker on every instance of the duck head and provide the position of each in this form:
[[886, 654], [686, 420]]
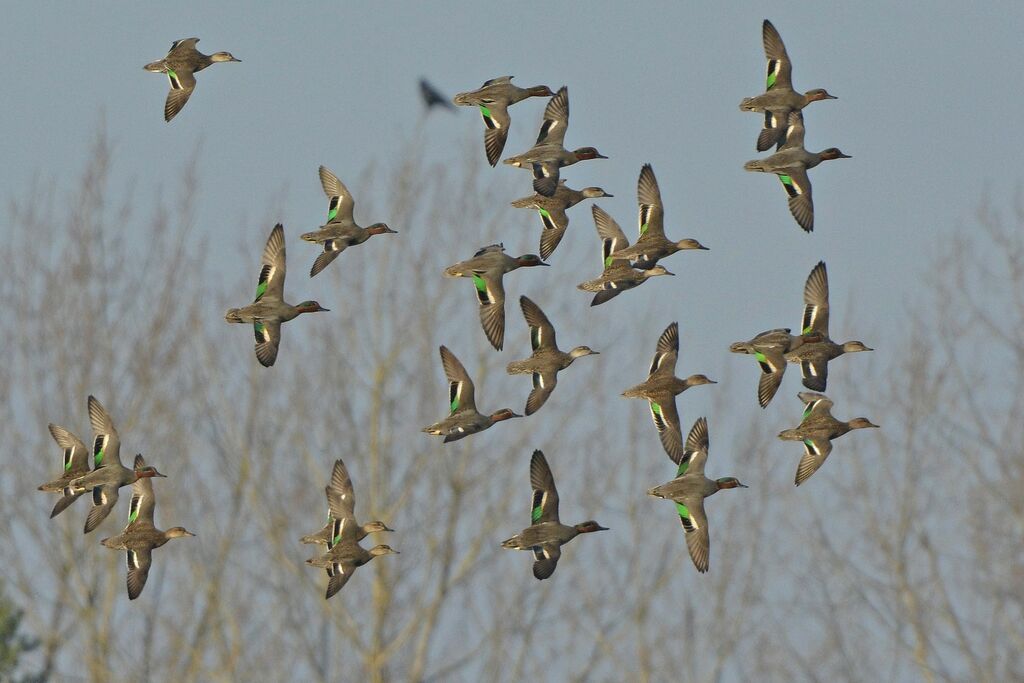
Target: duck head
[[594, 193], [590, 526], [862, 423], [818, 94], [729, 483], [383, 550], [697, 380], [178, 532], [657, 270], [223, 57], [147, 471], [503, 414], [380, 229], [588, 153], [834, 153], [527, 260], [690, 244], [374, 527], [311, 307], [581, 351], [855, 346]]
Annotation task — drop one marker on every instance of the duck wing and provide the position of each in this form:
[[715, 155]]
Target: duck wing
[[182, 84], [268, 338], [545, 560], [815, 452], [543, 385], [339, 573], [554, 221], [779, 72], [545, 177], [496, 124], [815, 318], [107, 443], [652, 212], [340, 205], [666, 353], [612, 237], [556, 121], [139, 561], [666, 421], [104, 498], [341, 499], [460, 386], [271, 282], [695, 528], [695, 454], [490, 292], [544, 507], [773, 368], [76, 453], [814, 373], [798, 188], [816, 405], [143, 503], [542, 332]]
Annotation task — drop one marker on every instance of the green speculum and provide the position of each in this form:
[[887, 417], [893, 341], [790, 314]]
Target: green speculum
[[786, 180], [683, 512], [536, 513], [331, 214], [544, 213], [485, 111], [480, 284], [261, 289]]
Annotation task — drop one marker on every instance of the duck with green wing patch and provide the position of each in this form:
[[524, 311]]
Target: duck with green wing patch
[[546, 535], [269, 309], [181, 64], [689, 489], [816, 430], [463, 419], [494, 98]]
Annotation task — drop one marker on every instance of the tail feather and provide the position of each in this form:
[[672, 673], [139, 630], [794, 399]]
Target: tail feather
[[754, 165], [232, 316]]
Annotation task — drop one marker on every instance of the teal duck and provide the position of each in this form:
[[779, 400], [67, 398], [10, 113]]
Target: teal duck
[[689, 489], [546, 360], [341, 504], [182, 62], [108, 474], [548, 155], [487, 269], [661, 388], [813, 356], [141, 536], [768, 349], [552, 212], [76, 464], [269, 309], [816, 431], [790, 164], [344, 555], [618, 275], [341, 231], [546, 535], [652, 245], [779, 98], [463, 419], [494, 98]]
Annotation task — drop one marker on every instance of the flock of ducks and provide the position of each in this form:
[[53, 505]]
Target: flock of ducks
[[625, 267]]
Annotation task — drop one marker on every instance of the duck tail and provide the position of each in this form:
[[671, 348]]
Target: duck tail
[[511, 544], [754, 165], [232, 316], [746, 105], [453, 271], [790, 435], [310, 236]]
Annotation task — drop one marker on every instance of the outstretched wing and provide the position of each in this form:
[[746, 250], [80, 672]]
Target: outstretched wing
[[695, 528], [780, 71], [652, 212], [666, 353], [544, 506], [340, 202], [460, 386], [139, 562], [815, 452], [490, 292], [545, 560], [542, 332], [271, 282], [815, 318], [556, 120], [268, 338]]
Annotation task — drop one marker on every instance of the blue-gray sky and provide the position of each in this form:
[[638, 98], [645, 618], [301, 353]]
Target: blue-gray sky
[[925, 100]]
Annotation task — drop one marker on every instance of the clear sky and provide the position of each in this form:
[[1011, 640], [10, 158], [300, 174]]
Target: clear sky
[[926, 96]]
